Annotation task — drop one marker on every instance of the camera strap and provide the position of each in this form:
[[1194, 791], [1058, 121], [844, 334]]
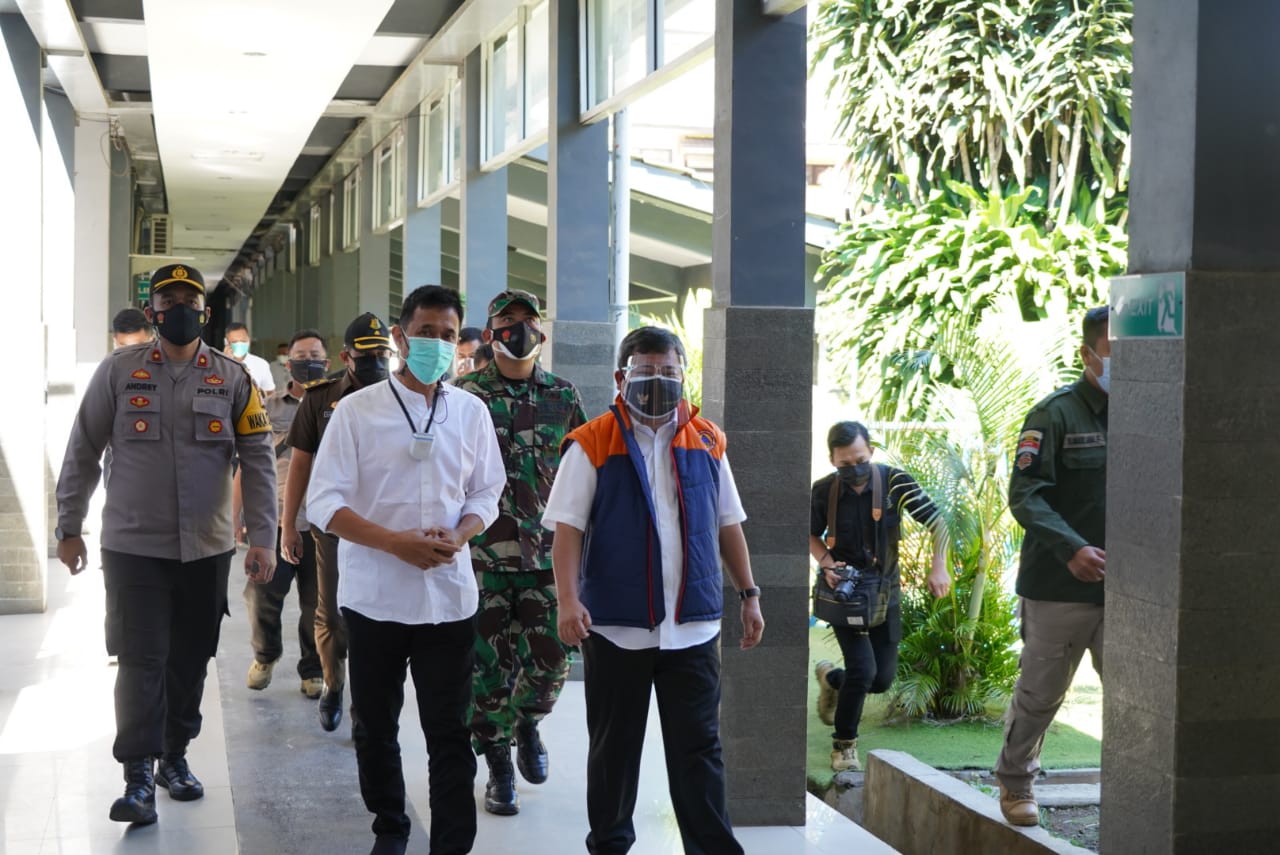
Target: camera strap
[[877, 506]]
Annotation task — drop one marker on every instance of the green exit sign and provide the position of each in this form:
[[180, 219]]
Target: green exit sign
[[1148, 306], [142, 289]]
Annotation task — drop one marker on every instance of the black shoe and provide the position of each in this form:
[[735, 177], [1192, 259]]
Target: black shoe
[[329, 708], [385, 844], [174, 775], [531, 754], [500, 793], [138, 804]]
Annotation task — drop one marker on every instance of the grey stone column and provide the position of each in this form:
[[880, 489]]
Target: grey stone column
[[758, 364], [482, 219], [23, 490], [581, 345], [1190, 762]]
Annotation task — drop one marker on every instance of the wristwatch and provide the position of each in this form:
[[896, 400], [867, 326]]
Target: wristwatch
[[61, 535], [746, 593]]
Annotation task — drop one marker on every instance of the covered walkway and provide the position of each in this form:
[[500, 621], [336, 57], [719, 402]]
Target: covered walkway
[[275, 783]]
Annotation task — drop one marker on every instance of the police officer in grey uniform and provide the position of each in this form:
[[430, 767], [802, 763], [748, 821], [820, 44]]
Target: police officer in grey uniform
[[176, 413]]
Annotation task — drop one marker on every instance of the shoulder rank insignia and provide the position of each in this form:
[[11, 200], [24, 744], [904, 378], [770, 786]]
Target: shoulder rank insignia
[[202, 361], [141, 374], [156, 356]]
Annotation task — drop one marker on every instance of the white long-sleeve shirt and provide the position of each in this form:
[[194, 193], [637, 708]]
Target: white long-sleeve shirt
[[570, 503], [364, 464]]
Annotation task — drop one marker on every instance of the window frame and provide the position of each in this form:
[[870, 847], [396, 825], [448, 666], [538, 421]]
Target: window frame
[[351, 209], [389, 154]]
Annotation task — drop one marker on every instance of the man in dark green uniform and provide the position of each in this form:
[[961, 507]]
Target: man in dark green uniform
[[366, 353], [1058, 493], [521, 664]]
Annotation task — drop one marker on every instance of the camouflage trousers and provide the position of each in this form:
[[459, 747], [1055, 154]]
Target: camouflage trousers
[[521, 665]]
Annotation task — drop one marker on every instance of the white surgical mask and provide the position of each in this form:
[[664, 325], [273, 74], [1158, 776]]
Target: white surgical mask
[[1104, 379]]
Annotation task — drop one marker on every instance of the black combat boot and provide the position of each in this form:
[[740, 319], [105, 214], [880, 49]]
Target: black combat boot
[[500, 793], [531, 754], [138, 804], [174, 775]]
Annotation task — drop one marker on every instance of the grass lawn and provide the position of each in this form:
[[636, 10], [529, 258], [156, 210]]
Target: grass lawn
[[1073, 741]]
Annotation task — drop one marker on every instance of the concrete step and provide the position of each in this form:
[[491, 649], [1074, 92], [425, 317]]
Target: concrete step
[[1068, 795]]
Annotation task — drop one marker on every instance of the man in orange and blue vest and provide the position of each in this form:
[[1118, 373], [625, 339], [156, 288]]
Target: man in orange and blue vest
[[644, 508]]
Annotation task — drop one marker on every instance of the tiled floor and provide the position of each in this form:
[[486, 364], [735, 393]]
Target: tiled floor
[[262, 756]]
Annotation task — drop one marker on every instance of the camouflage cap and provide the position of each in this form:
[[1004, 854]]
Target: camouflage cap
[[176, 274], [367, 332], [506, 298]]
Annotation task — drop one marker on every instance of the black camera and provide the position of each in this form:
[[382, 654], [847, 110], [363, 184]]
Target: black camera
[[843, 591]]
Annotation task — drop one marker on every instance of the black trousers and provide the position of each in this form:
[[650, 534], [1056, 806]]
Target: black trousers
[[265, 603], [870, 664], [163, 618], [440, 658], [617, 687]]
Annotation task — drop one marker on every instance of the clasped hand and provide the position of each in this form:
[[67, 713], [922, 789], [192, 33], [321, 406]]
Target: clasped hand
[[426, 549]]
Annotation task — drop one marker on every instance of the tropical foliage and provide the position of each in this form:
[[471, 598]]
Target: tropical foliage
[[956, 657], [986, 92], [900, 277]]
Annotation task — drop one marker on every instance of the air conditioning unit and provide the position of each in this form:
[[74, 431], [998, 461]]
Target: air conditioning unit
[[161, 240]]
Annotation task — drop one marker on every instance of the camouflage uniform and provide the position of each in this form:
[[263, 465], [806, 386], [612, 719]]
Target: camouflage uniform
[[521, 664]]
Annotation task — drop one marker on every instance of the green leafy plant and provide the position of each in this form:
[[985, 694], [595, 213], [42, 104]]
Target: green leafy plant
[[688, 326], [956, 658], [985, 92], [900, 277]]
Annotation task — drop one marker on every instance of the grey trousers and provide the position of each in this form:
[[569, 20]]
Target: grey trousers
[[1055, 637]]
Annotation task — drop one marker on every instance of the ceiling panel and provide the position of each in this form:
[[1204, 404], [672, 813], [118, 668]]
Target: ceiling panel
[[124, 38], [123, 73], [118, 9], [330, 132], [417, 17], [368, 82]]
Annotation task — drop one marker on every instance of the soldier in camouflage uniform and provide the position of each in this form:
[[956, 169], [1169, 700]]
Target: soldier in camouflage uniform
[[521, 664]]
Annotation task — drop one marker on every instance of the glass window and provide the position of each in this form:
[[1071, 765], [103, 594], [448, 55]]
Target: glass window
[[313, 236], [351, 210], [617, 46], [440, 149], [455, 123], [685, 25], [536, 69], [388, 181], [502, 93]]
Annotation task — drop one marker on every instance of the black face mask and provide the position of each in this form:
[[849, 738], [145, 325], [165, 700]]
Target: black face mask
[[179, 324], [518, 340], [855, 475], [653, 396], [368, 370], [306, 370]]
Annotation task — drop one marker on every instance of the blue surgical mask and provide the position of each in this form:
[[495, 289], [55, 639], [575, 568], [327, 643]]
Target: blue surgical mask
[[430, 358], [239, 349]]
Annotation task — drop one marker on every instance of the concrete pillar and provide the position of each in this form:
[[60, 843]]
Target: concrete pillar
[[23, 490], [1192, 701], [758, 346], [581, 346], [92, 304], [58, 280], [482, 255]]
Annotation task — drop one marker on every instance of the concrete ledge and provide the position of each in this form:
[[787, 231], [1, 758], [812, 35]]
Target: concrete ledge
[[917, 809]]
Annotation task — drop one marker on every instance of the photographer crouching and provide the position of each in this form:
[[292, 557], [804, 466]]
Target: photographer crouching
[[854, 529]]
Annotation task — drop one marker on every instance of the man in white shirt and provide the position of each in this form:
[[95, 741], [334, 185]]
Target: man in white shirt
[[237, 340], [644, 509], [408, 472]]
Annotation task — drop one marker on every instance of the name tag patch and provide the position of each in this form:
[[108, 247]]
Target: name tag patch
[[1084, 440]]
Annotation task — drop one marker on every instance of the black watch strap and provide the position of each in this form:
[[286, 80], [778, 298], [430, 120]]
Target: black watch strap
[[745, 593]]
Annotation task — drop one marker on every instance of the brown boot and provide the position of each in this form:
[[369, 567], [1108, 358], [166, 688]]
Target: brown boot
[[844, 755], [1019, 808], [827, 694]]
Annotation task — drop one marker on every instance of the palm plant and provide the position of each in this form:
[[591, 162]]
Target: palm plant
[[956, 657]]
